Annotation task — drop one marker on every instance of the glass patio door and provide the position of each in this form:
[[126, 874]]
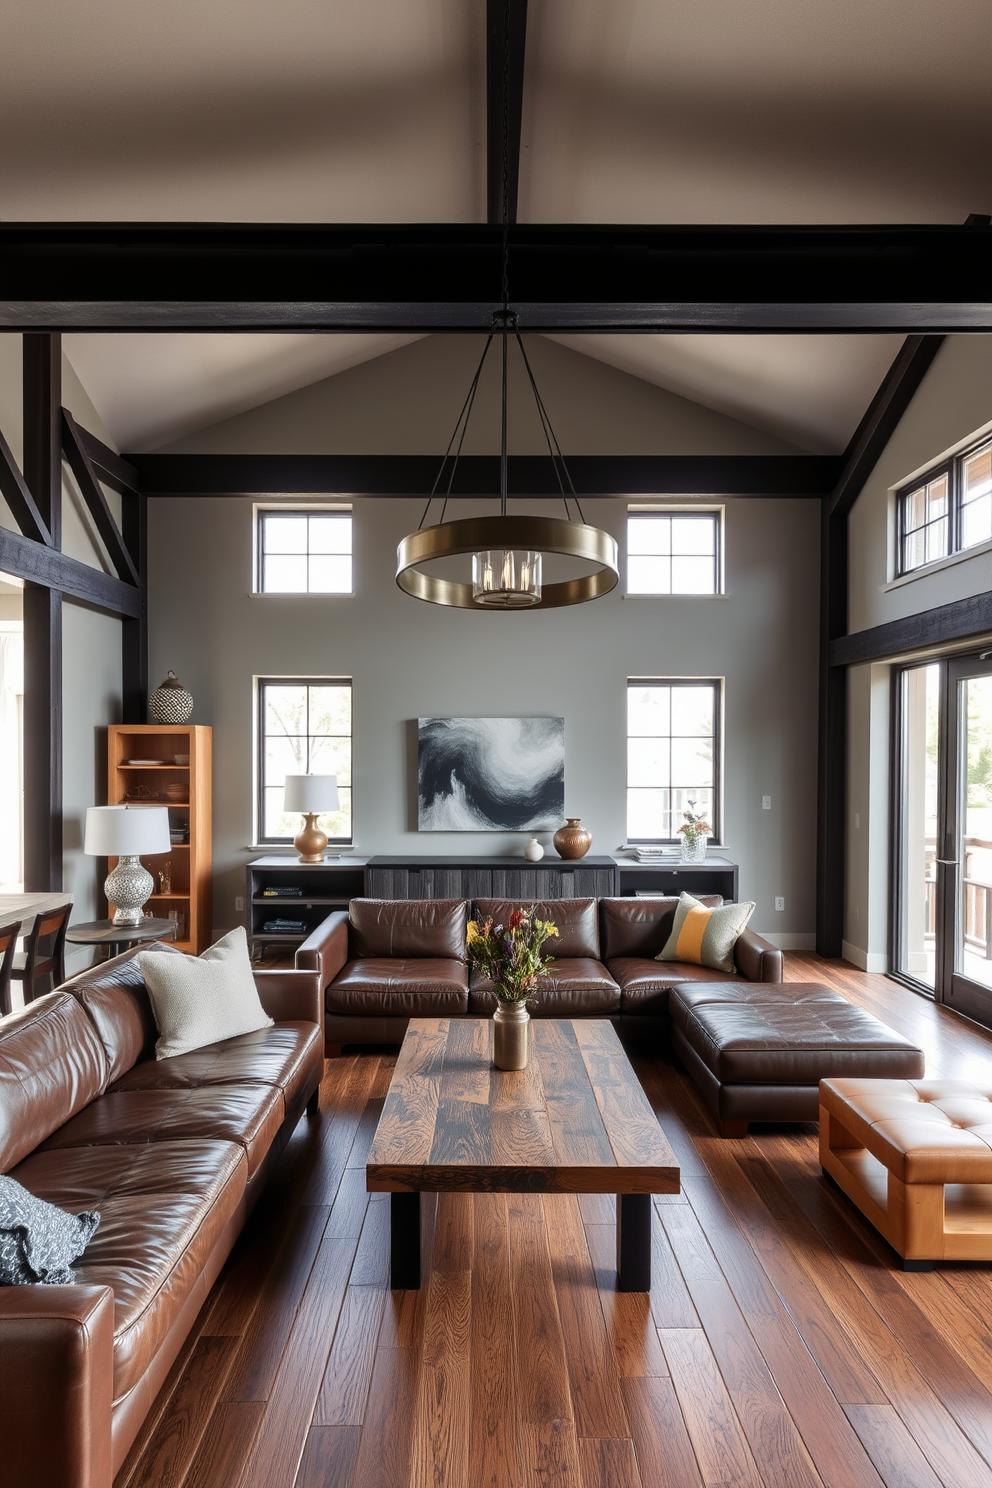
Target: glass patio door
[[964, 933], [918, 799]]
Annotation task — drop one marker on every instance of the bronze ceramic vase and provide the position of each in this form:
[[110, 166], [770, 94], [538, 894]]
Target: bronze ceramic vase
[[511, 1036], [572, 840]]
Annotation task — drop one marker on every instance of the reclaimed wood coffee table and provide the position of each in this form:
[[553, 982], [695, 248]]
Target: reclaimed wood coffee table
[[574, 1121]]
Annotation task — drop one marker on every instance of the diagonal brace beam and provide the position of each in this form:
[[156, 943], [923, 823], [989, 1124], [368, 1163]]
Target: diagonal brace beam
[[96, 502], [19, 498]]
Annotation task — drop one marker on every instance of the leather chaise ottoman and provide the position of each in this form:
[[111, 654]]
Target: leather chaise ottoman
[[757, 1051]]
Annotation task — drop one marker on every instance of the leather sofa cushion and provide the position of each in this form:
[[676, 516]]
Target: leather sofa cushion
[[51, 1065], [645, 984], [163, 1207], [405, 928], [578, 930], [787, 1042], [284, 1056], [249, 1115], [116, 999], [574, 987], [640, 927], [427, 987]]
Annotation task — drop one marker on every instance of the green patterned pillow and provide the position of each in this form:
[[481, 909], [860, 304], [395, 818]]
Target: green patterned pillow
[[706, 937]]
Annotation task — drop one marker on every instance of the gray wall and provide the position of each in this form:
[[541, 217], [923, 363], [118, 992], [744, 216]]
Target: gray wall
[[408, 659]]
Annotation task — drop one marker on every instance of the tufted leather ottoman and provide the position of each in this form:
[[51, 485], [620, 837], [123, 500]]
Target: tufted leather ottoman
[[916, 1158], [757, 1051]]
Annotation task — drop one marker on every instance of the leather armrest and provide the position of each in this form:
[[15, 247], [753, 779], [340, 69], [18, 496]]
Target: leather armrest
[[56, 1385], [326, 948], [757, 959], [290, 996]]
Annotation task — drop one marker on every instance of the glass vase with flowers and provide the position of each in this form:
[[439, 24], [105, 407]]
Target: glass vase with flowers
[[693, 832], [511, 957]]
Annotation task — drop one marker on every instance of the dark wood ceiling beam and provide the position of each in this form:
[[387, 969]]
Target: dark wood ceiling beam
[[22, 504], [968, 619], [506, 37], [95, 501], [616, 476], [49, 569], [99, 276], [111, 469]]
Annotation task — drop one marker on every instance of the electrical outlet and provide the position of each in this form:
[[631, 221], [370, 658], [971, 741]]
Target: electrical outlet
[[857, 820], [779, 902], [239, 904], [766, 803]]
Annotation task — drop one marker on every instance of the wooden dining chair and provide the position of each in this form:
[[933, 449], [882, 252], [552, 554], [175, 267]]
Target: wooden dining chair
[[36, 961], [8, 945]]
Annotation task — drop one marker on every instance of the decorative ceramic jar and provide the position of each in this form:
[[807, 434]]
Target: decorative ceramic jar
[[533, 852], [572, 840], [170, 702], [511, 1036], [693, 849]]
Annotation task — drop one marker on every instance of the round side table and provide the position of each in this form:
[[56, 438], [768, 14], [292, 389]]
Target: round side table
[[114, 938]]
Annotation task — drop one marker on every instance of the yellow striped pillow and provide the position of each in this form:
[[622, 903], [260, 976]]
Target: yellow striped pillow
[[706, 937]]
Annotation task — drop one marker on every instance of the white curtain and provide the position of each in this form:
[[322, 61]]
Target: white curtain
[[11, 759]]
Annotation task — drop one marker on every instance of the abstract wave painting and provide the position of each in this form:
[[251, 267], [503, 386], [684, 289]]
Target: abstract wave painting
[[491, 774]]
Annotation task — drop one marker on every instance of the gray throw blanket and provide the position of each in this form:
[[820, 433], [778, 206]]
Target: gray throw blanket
[[38, 1241]]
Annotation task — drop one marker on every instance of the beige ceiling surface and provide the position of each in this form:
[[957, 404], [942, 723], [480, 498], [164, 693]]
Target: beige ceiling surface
[[753, 111]]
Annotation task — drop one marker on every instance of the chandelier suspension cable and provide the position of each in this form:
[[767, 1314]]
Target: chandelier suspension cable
[[558, 461], [461, 424], [505, 317]]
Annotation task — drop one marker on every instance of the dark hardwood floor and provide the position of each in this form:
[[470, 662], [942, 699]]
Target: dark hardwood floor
[[780, 1344]]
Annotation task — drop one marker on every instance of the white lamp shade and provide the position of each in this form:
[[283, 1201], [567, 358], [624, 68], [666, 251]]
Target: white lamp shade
[[311, 793], [126, 831]]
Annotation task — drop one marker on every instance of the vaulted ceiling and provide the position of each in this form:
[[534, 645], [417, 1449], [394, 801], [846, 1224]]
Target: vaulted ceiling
[[715, 111]]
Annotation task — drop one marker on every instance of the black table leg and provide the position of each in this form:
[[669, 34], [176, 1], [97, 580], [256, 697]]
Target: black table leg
[[404, 1241], [633, 1242]]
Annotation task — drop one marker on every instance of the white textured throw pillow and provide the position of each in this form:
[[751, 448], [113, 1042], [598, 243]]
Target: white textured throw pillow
[[199, 1000]]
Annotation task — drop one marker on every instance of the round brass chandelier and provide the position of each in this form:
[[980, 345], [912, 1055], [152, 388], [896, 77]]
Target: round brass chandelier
[[507, 551]]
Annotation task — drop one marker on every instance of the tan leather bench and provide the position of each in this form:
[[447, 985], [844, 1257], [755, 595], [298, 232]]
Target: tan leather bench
[[915, 1156]]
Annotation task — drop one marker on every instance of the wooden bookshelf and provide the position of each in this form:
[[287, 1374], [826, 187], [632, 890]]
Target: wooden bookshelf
[[186, 791]]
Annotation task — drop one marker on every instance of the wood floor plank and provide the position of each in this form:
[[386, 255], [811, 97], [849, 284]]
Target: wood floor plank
[[899, 1461], [328, 1457], [714, 1430], [383, 1459], [440, 1451], [166, 1458], [665, 1458], [771, 1434], [496, 1445], [345, 1386], [226, 1445], [608, 1463]]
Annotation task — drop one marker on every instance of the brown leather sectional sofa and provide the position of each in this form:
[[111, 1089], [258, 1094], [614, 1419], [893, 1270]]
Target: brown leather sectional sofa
[[174, 1154], [388, 960]]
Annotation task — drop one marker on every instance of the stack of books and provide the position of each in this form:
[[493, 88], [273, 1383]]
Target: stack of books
[[656, 854]]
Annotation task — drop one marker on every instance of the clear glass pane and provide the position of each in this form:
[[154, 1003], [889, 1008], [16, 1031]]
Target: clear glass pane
[[976, 522], [937, 540], [284, 534], [285, 756], [916, 509], [692, 763], [279, 823], [692, 710], [694, 535], [648, 815], [330, 709], [914, 550], [694, 799], [330, 575], [284, 575], [978, 474], [649, 576], [649, 535], [648, 710], [285, 710], [647, 762], [937, 499], [331, 756], [337, 824], [330, 534], [974, 941], [693, 576], [919, 697]]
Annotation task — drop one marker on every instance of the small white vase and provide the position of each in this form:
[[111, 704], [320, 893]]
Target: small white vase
[[533, 852]]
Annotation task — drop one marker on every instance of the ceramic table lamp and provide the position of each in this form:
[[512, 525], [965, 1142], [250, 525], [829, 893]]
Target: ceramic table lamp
[[311, 794], [122, 832]]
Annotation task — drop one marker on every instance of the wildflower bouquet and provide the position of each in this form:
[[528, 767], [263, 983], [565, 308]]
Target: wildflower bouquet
[[693, 827], [510, 955]]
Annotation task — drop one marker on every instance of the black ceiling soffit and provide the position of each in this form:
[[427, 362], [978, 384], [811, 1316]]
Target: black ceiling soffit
[[478, 475], [102, 276]]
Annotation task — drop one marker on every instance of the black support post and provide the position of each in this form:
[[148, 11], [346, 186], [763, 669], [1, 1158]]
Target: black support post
[[134, 631], [42, 359]]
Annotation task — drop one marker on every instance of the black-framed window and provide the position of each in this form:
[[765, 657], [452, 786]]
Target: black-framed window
[[674, 551], [304, 728], [947, 510], [303, 551], [674, 731]]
